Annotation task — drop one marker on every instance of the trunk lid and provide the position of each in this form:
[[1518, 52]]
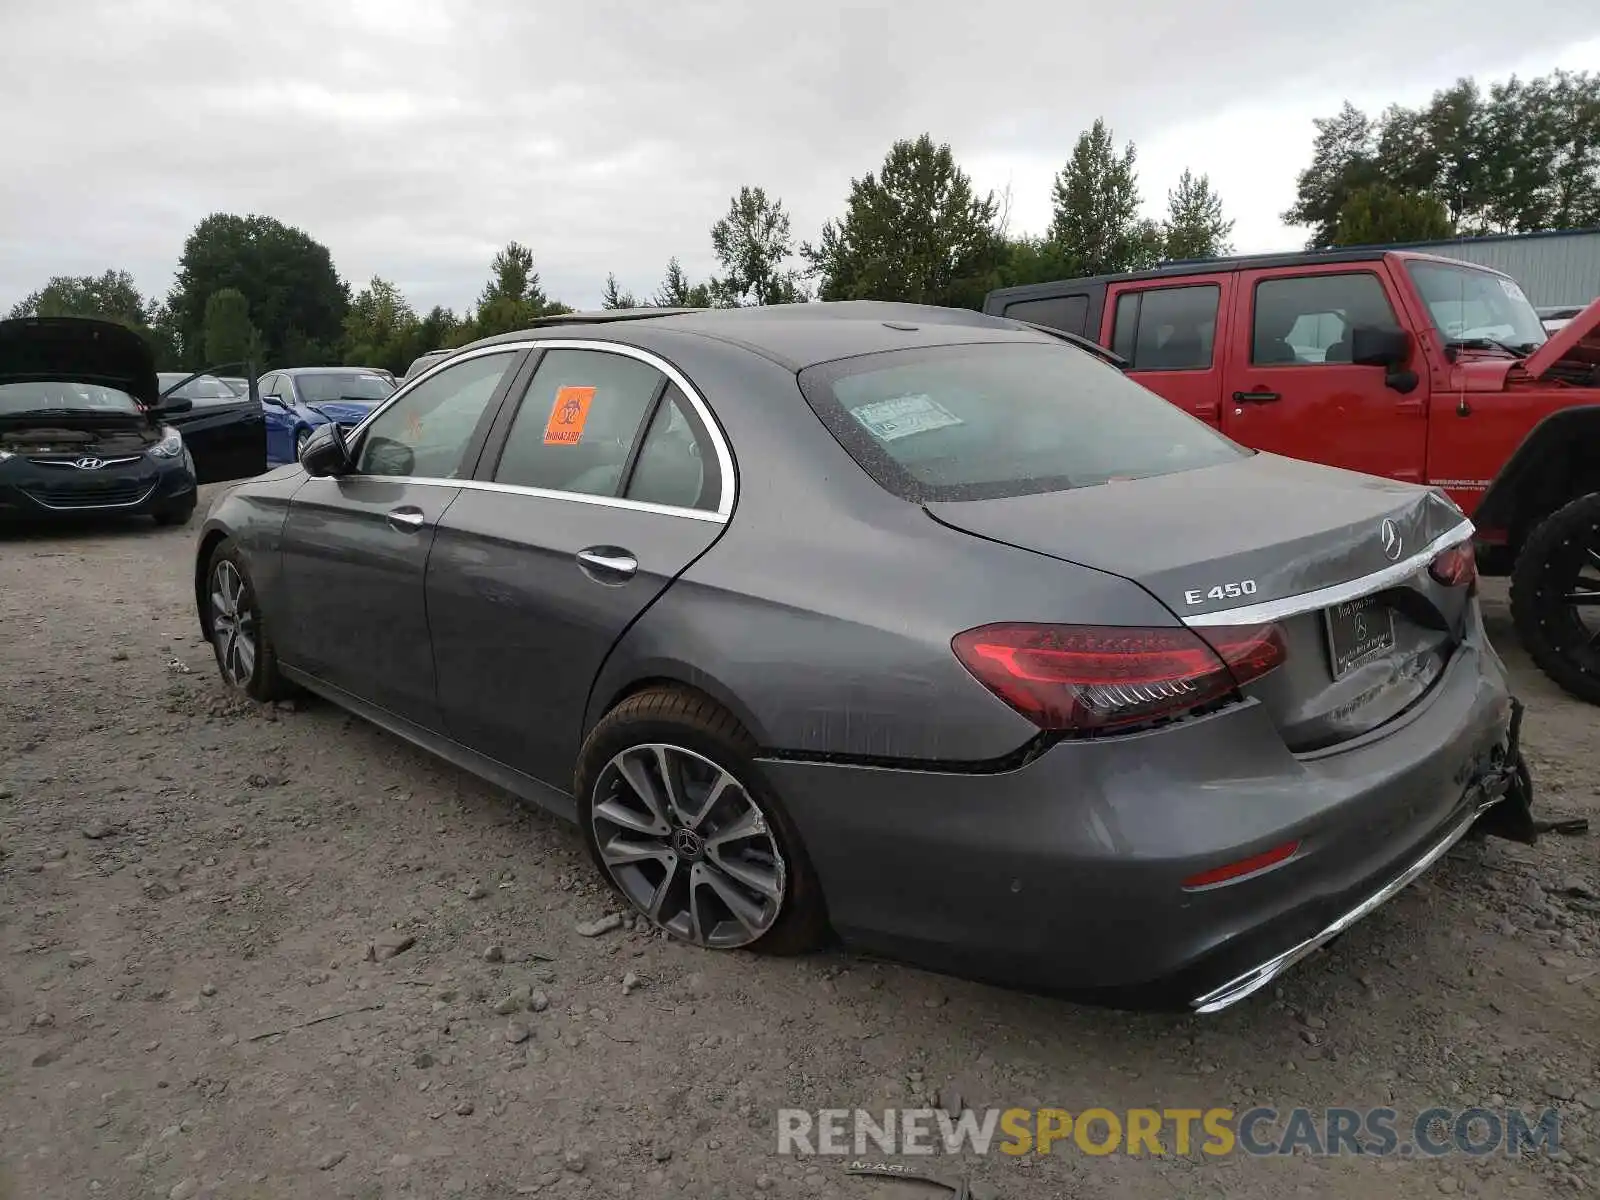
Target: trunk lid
[[1300, 544], [1576, 342], [77, 350]]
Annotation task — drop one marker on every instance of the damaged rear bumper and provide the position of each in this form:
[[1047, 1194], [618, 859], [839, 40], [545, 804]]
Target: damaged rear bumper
[[1067, 874], [1500, 797]]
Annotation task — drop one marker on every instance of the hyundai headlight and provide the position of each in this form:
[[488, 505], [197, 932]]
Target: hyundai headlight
[[170, 446]]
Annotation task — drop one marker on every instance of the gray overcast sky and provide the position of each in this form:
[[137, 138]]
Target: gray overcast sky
[[415, 137]]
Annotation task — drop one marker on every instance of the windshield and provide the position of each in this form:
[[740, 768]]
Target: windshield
[[18, 398], [204, 387], [324, 386], [1469, 305], [1003, 419]]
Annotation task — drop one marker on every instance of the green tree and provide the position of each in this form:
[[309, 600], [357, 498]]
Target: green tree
[[1195, 226], [1519, 158], [916, 232], [381, 328], [296, 298], [755, 246], [112, 296], [1095, 224], [615, 297], [1343, 160], [1381, 214], [230, 336], [513, 296], [677, 292]]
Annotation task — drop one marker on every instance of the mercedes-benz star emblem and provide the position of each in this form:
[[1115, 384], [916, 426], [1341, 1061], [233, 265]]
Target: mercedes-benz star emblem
[[88, 464], [1393, 543], [688, 843]]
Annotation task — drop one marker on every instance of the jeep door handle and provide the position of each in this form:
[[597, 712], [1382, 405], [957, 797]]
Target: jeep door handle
[[1255, 397], [406, 519], [608, 564]]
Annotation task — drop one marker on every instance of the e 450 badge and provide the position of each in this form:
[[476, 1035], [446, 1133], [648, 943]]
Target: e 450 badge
[[1222, 591]]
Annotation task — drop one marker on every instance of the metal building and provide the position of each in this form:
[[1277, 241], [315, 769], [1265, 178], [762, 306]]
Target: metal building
[[1559, 267]]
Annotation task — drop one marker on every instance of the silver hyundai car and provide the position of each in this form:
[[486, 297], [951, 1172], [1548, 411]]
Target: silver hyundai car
[[929, 629]]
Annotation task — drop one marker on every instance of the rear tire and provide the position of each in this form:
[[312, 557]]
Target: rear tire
[[688, 881], [1560, 558], [239, 639]]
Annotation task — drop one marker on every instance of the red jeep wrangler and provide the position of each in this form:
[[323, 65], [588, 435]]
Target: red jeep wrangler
[[1394, 363]]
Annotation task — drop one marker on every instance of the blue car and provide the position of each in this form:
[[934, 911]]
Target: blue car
[[298, 399]]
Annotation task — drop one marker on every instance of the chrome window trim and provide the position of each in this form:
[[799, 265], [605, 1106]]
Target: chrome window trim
[[1339, 593], [725, 500], [514, 489]]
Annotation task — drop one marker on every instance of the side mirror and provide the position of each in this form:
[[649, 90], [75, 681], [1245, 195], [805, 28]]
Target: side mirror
[[274, 399], [326, 452], [1379, 346], [173, 405]]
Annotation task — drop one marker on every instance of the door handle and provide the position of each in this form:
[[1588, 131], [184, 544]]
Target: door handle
[[1255, 397], [608, 564], [406, 520]]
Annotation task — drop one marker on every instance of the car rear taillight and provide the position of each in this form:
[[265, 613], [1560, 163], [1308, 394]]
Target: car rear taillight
[[1455, 567], [1089, 678]]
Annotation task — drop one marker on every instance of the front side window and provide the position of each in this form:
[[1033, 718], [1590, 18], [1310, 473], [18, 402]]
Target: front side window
[[576, 425], [1307, 319], [1167, 329], [425, 433], [1477, 306], [1003, 419]]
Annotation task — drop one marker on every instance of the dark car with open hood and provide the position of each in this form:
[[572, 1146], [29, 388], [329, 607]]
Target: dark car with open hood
[[85, 430]]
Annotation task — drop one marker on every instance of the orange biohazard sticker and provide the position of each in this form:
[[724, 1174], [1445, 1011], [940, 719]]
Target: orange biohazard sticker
[[568, 415]]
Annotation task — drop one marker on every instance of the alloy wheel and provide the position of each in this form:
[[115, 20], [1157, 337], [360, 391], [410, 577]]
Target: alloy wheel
[[1581, 593], [687, 843], [233, 624]]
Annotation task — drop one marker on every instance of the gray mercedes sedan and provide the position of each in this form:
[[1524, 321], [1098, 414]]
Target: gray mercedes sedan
[[927, 628]]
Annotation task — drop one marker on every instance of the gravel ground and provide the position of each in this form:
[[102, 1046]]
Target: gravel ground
[[189, 883]]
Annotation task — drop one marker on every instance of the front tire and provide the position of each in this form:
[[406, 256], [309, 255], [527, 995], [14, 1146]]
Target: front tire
[[300, 439], [679, 821], [245, 656], [1554, 585]]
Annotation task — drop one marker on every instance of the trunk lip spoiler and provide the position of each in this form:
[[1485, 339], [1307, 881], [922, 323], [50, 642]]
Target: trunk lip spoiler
[[1292, 606]]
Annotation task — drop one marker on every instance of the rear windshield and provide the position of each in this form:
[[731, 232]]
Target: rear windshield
[[365, 386], [1003, 419], [200, 388]]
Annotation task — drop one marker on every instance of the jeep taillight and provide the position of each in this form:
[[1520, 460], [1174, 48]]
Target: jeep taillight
[[1455, 567], [1091, 678]]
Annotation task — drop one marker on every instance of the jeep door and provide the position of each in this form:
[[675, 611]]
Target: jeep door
[[1291, 387], [1167, 330]]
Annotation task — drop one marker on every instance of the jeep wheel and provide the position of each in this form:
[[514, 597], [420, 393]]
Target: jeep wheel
[[1555, 597]]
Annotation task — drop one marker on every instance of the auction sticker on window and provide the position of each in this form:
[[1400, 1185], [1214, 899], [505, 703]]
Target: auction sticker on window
[[888, 420], [568, 415]]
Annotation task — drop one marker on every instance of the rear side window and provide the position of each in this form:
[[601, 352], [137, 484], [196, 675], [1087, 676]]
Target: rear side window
[[1067, 313], [1002, 419], [1167, 329]]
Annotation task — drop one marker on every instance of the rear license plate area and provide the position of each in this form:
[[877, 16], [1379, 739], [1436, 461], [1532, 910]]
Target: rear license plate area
[[1358, 631]]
